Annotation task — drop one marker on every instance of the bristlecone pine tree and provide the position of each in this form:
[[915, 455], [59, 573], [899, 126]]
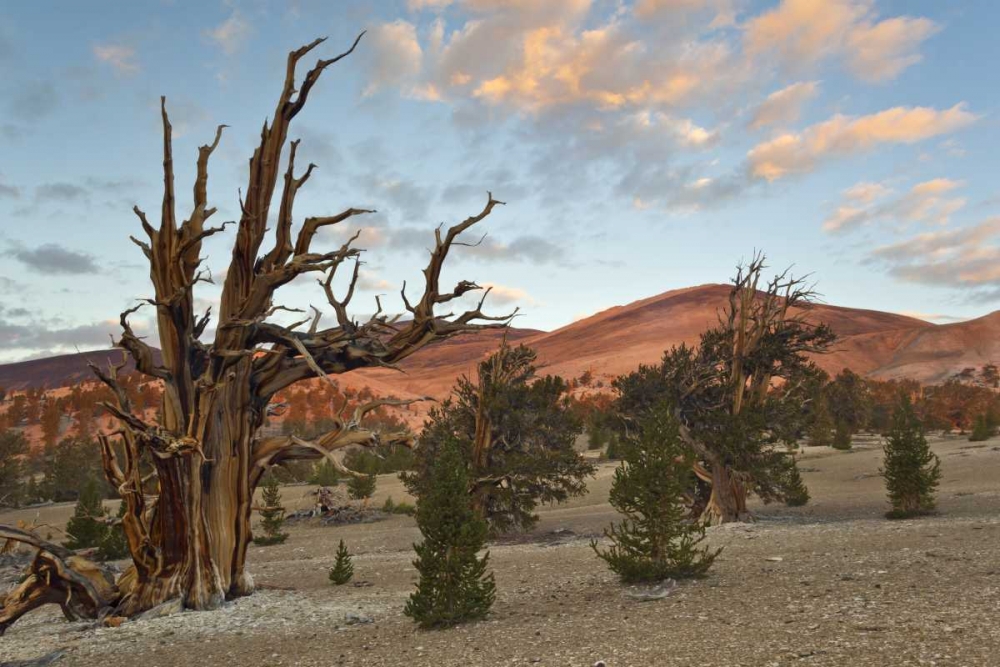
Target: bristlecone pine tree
[[516, 432], [188, 539], [911, 470], [723, 394], [114, 545], [272, 514], [657, 539], [820, 423], [796, 492], [342, 569], [454, 585], [361, 487], [87, 528], [983, 428]]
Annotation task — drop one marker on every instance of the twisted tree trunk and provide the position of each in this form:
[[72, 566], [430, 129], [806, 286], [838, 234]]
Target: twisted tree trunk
[[190, 539]]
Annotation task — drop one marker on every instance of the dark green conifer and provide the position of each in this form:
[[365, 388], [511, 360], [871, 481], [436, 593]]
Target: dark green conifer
[[342, 569], [796, 492], [114, 546], [454, 584], [911, 470], [87, 527], [361, 487], [657, 539], [272, 515]]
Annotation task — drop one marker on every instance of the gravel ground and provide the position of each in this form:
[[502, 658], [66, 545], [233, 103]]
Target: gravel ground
[[832, 583]]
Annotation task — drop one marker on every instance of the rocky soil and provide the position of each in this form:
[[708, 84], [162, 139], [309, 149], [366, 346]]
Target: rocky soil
[[832, 583]]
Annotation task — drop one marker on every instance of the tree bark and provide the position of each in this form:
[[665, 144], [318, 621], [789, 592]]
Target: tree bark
[[190, 539]]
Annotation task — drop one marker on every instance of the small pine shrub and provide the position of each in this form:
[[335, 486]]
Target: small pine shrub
[[87, 528], [613, 452], [392, 507], [272, 515], [324, 474], [343, 568], [454, 585], [911, 470], [795, 492], [982, 429], [656, 540], [841, 436], [597, 437], [362, 487], [114, 545]]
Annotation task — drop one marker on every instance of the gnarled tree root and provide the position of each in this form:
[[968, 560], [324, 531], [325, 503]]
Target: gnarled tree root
[[80, 587]]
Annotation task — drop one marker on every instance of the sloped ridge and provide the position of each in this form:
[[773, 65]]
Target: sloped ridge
[[617, 340]]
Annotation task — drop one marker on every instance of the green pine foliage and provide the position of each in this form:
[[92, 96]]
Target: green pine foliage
[[324, 474], [392, 507], [911, 471], [272, 515], [343, 568], [983, 428], [841, 436], [820, 423], [13, 448], [454, 584], [114, 545], [516, 431], [796, 493], [87, 528], [657, 539], [361, 487]]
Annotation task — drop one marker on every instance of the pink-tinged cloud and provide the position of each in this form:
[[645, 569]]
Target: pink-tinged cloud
[[799, 153]]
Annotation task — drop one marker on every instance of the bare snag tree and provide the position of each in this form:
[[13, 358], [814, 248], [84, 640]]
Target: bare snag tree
[[189, 540]]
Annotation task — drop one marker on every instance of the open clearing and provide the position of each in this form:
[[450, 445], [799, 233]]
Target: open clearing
[[831, 583]]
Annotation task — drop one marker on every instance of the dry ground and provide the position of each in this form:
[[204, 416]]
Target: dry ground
[[832, 583]]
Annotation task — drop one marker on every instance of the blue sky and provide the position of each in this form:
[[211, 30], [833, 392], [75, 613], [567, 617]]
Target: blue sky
[[641, 146]]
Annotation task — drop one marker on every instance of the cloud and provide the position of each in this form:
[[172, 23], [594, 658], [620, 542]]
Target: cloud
[[418, 5], [396, 55], [33, 100], [53, 258], [792, 153], [804, 32], [967, 258], [231, 34], [54, 337], [784, 106], [501, 295], [59, 192], [868, 202], [881, 51], [9, 191], [121, 58]]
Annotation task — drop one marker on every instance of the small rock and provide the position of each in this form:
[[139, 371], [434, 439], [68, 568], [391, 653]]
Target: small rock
[[650, 593], [168, 608], [357, 619]]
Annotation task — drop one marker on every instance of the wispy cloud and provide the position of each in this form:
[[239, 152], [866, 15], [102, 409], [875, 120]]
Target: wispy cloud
[[232, 34], [926, 202], [796, 153], [122, 58], [53, 258]]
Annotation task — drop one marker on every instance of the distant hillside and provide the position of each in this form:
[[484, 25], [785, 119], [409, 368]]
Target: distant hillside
[[615, 341], [59, 371]]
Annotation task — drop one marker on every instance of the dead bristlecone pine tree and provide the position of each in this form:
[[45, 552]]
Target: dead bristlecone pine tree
[[454, 584], [188, 479], [657, 539], [342, 569], [272, 514], [911, 470]]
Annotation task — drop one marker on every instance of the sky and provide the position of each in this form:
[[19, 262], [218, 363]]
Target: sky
[[640, 146]]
